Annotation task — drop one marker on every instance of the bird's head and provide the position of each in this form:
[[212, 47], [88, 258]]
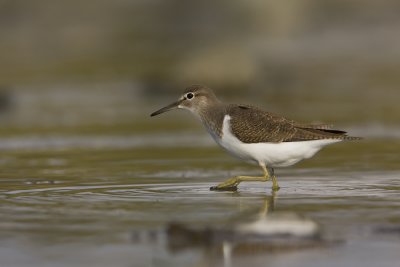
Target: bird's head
[[195, 98]]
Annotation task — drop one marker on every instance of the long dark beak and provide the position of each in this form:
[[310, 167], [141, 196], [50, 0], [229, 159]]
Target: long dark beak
[[167, 108]]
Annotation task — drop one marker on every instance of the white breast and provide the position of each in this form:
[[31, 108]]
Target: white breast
[[271, 154]]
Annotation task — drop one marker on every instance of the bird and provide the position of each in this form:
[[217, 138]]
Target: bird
[[254, 135]]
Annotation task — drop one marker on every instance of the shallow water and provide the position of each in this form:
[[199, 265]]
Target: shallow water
[[107, 200], [100, 185]]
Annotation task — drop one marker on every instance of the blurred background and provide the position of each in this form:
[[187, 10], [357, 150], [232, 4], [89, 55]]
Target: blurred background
[[85, 170], [107, 64]]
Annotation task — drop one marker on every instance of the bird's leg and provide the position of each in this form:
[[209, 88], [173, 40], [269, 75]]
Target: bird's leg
[[232, 183], [275, 186]]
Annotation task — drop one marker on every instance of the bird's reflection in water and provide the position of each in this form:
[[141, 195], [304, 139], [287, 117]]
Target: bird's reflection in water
[[268, 231]]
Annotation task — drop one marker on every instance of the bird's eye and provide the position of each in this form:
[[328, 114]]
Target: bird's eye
[[189, 95]]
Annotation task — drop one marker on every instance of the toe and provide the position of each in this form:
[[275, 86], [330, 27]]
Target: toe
[[225, 188], [275, 188]]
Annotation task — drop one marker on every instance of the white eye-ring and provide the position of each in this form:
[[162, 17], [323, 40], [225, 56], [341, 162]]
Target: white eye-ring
[[189, 96]]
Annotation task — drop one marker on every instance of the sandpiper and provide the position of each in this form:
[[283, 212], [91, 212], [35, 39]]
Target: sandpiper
[[254, 135]]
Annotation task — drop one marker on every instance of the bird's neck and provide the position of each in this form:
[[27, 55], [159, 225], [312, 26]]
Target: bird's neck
[[212, 118]]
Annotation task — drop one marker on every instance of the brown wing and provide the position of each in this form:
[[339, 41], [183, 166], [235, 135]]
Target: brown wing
[[253, 125], [312, 126]]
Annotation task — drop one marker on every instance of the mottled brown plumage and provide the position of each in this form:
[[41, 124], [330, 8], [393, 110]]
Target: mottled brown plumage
[[253, 125]]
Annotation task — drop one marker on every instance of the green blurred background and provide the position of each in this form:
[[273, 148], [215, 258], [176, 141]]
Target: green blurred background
[[102, 64], [83, 164]]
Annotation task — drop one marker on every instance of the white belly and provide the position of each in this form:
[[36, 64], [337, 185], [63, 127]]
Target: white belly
[[271, 154]]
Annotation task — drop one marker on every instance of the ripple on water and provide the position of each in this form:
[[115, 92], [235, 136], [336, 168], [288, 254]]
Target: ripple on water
[[112, 192], [369, 185]]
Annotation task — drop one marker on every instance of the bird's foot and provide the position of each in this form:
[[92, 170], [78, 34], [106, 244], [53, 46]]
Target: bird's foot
[[232, 188], [229, 185], [275, 186]]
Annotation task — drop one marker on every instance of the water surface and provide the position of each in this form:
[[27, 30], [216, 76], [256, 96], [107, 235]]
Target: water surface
[[88, 179], [107, 201]]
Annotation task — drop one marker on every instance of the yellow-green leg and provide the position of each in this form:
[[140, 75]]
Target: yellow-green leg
[[275, 186], [232, 183]]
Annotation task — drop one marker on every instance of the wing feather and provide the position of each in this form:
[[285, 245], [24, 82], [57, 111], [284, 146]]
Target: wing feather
[[253, 125]]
